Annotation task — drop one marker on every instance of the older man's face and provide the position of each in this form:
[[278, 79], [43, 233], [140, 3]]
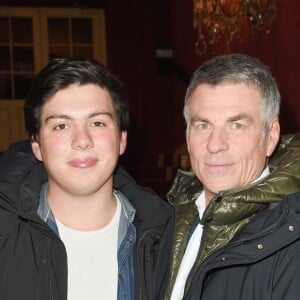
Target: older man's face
[[226, 139]]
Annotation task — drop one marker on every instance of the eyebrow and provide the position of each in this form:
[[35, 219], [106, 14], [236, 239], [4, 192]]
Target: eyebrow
[[239, 117], [66, 117], [230, 119], [198, 119]]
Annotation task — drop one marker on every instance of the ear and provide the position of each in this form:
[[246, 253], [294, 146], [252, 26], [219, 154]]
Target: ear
[[273, 136], [35, 146], [187, 139], [123, 142]]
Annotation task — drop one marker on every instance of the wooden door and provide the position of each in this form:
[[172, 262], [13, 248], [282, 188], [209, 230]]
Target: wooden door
[[29, 37]]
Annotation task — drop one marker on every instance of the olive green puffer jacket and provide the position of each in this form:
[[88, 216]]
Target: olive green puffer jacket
[[230, 210]]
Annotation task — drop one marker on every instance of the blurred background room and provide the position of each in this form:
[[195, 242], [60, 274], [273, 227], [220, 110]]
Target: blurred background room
[[153, 47]]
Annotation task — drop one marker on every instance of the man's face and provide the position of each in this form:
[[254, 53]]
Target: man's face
[[226, 140], [79, 141]]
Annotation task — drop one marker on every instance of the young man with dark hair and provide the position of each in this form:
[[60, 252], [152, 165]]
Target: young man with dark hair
[[73, 225]]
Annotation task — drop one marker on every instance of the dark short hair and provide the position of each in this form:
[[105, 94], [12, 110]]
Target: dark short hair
[[58, 74]]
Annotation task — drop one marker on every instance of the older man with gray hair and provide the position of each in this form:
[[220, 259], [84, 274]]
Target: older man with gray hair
[[237, 213]]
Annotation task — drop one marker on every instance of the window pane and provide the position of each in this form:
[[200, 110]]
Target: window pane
[[22, 85], [23, 59], [59, 52], [82, 31], [22, 31], [4, 37], [83, 51], [5, 87], [58, 31], [5, 59]]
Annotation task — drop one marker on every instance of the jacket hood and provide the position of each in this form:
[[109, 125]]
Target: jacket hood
[[21, 177], [151, 211]]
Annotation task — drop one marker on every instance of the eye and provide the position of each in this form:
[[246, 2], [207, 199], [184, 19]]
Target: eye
[[60, 127], [98, 124], [202, 125], [237, 126]]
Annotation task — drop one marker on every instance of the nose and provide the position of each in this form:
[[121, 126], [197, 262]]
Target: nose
[[217, 140], [82, 139]]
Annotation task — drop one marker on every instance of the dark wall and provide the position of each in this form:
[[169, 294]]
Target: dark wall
[[135, 29]]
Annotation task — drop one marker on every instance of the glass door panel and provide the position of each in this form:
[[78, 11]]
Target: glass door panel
[[5, 86], [16, 56], [58, 31], [5, 59], [82, 31], [70, 36], [73, 32], [59, 51], [4, 31], [22, 30], [83, 51], [23, 59]]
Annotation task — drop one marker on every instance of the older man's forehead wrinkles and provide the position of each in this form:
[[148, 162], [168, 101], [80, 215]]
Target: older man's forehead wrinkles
[[240, 117]]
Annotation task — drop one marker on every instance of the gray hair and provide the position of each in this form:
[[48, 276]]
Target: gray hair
[[237, 68]]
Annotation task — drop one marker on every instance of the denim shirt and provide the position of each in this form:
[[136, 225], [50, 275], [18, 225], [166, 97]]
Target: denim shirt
[[126, 240]]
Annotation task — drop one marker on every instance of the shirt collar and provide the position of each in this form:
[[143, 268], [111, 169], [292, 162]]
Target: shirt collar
[[45, 213], [200, 202]]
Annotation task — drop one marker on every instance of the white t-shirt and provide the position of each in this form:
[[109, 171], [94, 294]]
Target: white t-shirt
[[92, 260], [192, 248]]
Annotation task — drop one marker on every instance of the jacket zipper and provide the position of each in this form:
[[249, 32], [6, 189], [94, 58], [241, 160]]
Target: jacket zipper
[[51, 296], [141, 271], [195, 272]]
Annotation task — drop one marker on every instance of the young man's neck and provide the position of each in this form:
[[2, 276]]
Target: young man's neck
[[84, 213]]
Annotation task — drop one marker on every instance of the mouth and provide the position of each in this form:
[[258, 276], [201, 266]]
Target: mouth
[[219, 167], [83, 162]]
